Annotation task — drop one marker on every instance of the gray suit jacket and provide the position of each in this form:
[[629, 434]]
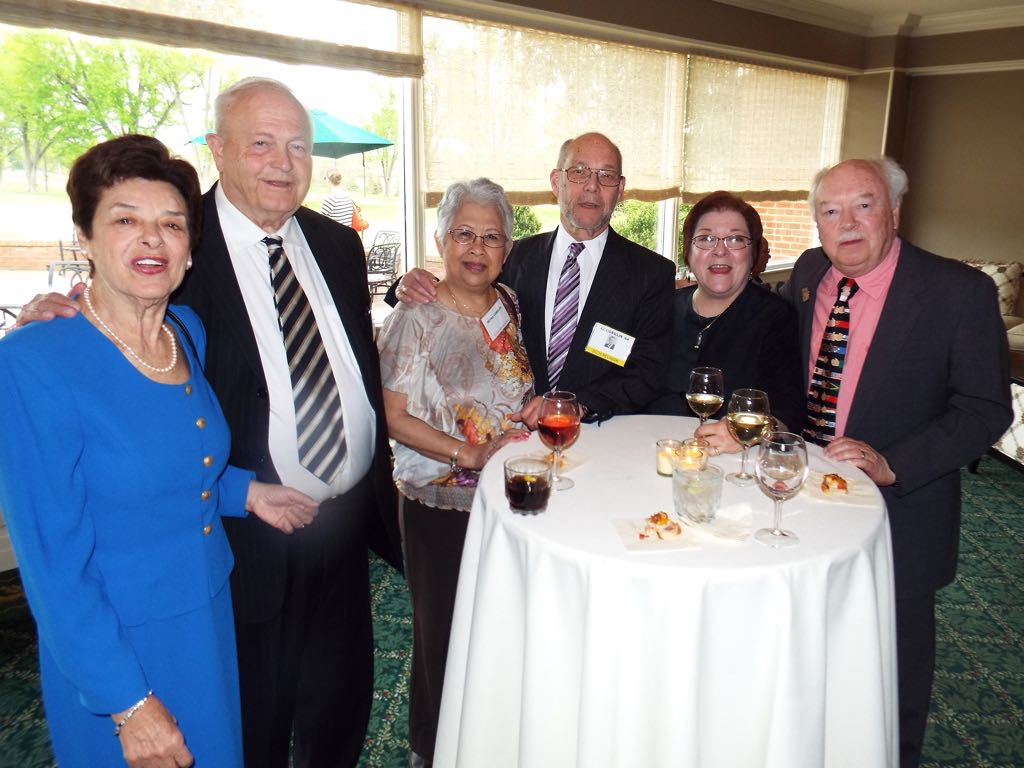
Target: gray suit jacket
[[933, 395], [631, 292]]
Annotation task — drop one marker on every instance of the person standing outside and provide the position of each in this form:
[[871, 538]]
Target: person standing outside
[[338, 205], [909, 383]]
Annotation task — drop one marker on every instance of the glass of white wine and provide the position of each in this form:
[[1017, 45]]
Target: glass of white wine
[[781, 468], [748, 418], [704, 394]]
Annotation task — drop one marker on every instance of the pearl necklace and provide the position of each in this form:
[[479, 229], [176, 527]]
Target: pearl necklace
[[132, 352]]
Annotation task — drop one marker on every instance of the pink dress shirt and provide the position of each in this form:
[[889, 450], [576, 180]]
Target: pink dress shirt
[[865, 310]]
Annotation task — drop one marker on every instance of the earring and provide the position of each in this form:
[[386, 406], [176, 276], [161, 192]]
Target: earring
[[188, 264]]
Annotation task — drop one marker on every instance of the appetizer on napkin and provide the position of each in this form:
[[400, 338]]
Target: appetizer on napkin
[[655, 533], [838, 488]]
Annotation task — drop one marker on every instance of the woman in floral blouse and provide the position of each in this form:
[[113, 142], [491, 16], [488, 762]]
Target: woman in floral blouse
[[453, 371]]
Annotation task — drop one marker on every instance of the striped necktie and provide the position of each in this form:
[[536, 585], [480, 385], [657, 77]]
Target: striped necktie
[[318, 419], [823, 393], [563, 316]]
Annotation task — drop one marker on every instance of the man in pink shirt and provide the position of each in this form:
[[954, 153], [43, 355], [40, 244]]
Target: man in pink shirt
[[911, 385]]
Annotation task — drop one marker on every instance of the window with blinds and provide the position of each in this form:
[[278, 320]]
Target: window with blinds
[[499, 100]]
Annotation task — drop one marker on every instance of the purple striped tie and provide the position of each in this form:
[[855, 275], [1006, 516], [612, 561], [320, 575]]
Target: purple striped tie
[[563, 317]]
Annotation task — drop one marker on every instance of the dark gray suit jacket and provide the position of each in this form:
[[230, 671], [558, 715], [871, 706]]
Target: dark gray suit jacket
[[234, 369], [933, 395], [631, 292]]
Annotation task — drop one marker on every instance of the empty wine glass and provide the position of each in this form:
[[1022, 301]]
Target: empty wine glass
[[704, 394], [781, 469], [559, 426], [748, 417]]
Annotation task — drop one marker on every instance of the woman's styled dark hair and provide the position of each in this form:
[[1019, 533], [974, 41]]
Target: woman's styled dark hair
[[723, 201], [131, 157]]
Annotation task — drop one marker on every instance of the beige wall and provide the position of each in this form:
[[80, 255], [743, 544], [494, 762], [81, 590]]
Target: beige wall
[[719, 24], [867, 102], [965, 158]]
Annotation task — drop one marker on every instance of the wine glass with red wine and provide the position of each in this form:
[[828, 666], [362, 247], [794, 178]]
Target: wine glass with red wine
[[559, 426]]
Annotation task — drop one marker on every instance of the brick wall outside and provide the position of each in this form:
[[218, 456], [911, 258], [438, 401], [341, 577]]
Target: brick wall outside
[[788, 227]]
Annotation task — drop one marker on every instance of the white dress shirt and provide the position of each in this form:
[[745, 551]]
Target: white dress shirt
[[589, 259], [250, 260]]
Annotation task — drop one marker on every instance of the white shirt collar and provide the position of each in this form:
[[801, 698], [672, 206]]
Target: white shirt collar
[[239, 228], [594, 247]]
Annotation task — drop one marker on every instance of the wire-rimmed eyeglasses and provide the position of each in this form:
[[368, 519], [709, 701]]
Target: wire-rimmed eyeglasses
[[467, 236], [578, 174], [732, 242]]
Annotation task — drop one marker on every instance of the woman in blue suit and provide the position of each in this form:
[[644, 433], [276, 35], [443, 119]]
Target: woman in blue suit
[[113, 479]]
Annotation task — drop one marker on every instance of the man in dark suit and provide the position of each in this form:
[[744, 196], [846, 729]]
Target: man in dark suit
[[302, 608], [625, 291], [923, 390], [302, 603]]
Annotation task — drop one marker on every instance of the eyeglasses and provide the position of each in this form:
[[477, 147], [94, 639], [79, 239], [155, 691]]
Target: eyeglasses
[[732, 242], [467, 236], [580, 173]]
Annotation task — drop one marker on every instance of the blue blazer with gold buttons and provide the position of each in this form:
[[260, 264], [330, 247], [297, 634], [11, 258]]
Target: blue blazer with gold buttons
[[112, 486]]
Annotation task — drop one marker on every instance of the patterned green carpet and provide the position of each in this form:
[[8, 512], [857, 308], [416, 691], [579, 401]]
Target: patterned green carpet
[[977, 717]]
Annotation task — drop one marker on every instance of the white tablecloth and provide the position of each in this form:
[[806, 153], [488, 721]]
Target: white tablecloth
[[567, 650]]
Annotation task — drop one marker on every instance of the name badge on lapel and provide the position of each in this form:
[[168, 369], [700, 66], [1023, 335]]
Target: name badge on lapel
[[610, 344]]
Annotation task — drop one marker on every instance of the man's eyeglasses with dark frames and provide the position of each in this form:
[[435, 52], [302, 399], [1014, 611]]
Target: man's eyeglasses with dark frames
[[579, 174]]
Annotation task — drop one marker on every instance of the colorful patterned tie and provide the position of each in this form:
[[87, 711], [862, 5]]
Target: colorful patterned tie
[[823, 394], [563, 316], [318, 419]]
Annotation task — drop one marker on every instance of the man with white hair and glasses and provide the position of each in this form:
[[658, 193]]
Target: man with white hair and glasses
[[905, 363]]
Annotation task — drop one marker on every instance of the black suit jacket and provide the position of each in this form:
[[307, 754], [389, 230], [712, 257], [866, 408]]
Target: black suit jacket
[[932, 396], [234, 369], [631, 292]]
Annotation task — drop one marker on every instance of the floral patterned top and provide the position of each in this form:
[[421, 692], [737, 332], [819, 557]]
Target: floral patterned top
[[456, 379]]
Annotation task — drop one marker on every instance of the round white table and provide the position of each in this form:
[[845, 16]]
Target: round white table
[[569, 650]]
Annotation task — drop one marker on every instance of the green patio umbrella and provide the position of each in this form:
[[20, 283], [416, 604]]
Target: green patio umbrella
[[333, 137]]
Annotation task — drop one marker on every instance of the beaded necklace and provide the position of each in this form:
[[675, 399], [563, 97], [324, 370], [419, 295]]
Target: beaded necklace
[[123, 343]]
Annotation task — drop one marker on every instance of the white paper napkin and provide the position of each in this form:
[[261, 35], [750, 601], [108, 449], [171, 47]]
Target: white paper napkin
[[733, 521], [570, 460], [859, 491], [629, 530]]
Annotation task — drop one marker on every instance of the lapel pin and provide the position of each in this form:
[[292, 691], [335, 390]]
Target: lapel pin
[[805, 294]]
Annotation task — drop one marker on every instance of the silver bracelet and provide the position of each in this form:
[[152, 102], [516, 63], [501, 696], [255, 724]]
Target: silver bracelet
[[131, 713], [453, 460]]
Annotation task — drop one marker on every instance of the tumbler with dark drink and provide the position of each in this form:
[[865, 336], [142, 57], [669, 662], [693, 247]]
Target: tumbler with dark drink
[[527, 484]]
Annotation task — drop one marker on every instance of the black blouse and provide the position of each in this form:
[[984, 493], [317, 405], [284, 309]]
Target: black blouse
[[754, 342]]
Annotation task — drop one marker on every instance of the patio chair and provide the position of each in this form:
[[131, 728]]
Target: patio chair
[[70, 261], [8, 314], [382, 267], [387, 237]]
